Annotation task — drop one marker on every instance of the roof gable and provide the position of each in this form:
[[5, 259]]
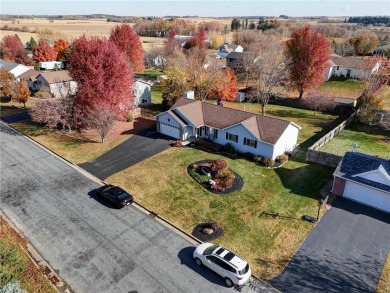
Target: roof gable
[[365, 169], [56, 76]]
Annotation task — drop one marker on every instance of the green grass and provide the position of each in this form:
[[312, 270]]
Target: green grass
[[370, 140], [149, 73], [349, 88], [313, 126], [162, 184], [156, 106]]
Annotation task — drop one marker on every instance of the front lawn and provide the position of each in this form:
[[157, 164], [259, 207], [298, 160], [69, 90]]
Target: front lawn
[[163, 185], [11, 107], [349, 88], [370, 140]]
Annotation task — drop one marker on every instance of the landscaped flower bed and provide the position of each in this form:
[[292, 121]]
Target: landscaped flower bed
[[215, 176]]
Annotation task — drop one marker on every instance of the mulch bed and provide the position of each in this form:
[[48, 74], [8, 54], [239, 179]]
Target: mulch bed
[[197, 232], [236, 186]]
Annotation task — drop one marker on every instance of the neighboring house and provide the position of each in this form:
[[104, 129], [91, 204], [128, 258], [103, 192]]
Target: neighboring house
[[247, 132], [15, 68], [365, 179], [352, 67], [142, 92], [182, 39], [57, 83], [225, 49], [51, 65], [235, 60], [30, 76]]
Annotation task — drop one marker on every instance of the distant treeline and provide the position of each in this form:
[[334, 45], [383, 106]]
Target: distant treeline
[[374, 20]]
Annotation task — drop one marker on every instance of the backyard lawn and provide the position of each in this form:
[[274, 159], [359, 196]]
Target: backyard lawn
[[349, 88], [370, 140], [163, 185]]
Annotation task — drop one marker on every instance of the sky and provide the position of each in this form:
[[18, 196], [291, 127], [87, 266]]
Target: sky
[[216, 8]]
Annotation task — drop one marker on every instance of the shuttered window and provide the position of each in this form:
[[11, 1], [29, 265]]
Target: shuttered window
[[250, 142], [232, 137]]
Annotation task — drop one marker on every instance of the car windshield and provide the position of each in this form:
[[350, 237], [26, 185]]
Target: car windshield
[[244, 271], [210, 249], [120, 193]]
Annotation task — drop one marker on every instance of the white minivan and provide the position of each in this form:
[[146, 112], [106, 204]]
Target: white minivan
[[228, 265]]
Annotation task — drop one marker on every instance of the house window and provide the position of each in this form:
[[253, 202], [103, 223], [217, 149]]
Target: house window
[[337, 67], [250, 142], [169, 119], [232, 137]]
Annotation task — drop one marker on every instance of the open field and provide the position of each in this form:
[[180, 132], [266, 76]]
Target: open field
[[16, 266], [68, 29], [162, 184], [384, 282], [370, 140]]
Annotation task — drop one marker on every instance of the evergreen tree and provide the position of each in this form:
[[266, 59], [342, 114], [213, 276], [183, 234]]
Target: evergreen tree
[[32, 44]]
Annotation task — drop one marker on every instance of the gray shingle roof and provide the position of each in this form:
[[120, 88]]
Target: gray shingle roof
[[264, 128], [7, 65], [355, 163], [235, 55]]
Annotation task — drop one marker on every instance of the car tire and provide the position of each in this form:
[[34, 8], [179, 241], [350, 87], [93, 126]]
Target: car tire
[[198, 262], [229, 282]]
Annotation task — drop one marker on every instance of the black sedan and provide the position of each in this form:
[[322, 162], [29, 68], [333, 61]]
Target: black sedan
[[116, 195]]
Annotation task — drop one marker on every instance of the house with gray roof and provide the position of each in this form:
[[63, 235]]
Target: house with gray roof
[[225, 49], [351, 67], [365, 179], [247, 132], [15, 68]]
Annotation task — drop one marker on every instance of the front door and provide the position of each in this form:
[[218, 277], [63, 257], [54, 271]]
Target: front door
[[348, 72]]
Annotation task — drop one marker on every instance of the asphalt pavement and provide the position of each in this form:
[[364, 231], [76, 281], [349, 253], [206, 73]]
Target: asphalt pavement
[[132, 151], [93, 246], [345, 252]]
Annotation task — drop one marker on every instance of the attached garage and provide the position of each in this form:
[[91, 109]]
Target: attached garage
[[367, 195], [169, 124], [169, 130], [364, 179]]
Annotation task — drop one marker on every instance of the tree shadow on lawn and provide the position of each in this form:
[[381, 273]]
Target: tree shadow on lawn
[[306, 180], [185, 256]]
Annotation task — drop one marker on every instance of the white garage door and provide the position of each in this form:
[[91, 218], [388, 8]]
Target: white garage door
[[169, 130], [369, 196]]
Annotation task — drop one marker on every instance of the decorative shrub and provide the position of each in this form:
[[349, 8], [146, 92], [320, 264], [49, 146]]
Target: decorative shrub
[[268, 162], [282, 158], [249, 156], [178, 144], [130, 117], [221, 183], [229, 148], [259, 160], [218, 167], [194, 166], [200, 177]]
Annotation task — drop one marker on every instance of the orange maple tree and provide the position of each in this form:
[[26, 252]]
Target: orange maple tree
[[309, 53], [60, 47], [43, 52], [226, 89]]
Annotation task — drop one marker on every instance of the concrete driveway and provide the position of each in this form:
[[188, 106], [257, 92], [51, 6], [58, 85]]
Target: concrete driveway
[[93, 246], [132, 151], [345, 252]]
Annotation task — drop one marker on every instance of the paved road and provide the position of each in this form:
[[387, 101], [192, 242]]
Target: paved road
[[132, 151], [95, 248], [344, 253], [16, 117]]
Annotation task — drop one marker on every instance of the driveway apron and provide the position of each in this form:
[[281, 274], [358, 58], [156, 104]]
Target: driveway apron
[[345, 252], [132, 151]]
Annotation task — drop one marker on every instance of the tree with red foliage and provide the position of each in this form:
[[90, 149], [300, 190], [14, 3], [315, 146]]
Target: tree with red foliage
[[128, 42], [308, 53], [60, 47], [227, 88], [198, 40], [12, 50], [22, 93], [103, 75], [43, 52]]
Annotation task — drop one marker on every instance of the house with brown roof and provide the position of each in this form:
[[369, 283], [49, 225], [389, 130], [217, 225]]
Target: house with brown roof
[[246, 132], [57, 83], [351, 67], [30, 76]]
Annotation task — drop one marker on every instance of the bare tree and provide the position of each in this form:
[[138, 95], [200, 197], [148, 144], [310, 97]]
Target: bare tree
[[268, 69], [101, 118], [318, 101]]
